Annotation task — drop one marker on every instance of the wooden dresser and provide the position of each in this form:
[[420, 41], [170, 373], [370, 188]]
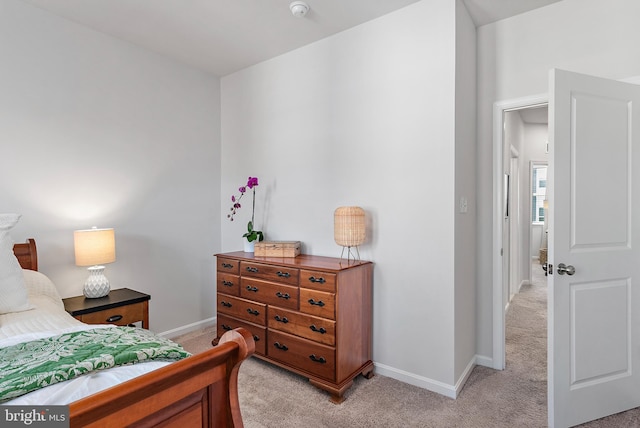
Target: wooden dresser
[[308, 314]]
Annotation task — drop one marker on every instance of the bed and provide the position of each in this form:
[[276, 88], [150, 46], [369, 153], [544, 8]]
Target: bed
[[197, 391]]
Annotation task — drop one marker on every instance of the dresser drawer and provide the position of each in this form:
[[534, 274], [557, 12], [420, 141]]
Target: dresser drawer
[[228, 265], [225, 323], [228, 284], [318, 280], [241, 308], [317, 329], [269, 292], [282, 274], [302, 353], [123, 315], [318, 303]]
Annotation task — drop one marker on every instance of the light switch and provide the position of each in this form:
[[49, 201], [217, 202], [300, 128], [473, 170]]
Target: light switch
[[463, 205]]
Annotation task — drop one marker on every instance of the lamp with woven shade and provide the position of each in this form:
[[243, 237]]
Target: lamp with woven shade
[[95, 247], [349, 229]]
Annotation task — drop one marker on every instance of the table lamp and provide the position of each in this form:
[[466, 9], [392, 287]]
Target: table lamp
[[349, 229], [95, 247]]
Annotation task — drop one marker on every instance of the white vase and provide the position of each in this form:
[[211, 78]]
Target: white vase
[[248, 246]]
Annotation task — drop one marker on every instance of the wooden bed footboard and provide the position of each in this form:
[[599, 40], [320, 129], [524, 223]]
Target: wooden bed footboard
[[198, 391]]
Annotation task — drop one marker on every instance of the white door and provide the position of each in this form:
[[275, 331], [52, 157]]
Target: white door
[[594, 228]]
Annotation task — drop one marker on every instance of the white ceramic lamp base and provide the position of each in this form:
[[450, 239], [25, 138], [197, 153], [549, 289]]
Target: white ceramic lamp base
[[97, 285]]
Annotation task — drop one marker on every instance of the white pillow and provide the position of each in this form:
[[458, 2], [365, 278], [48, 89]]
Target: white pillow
[[13, 292], [38, 284]]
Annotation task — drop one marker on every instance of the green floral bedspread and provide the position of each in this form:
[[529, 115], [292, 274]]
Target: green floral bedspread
[[31, 365]]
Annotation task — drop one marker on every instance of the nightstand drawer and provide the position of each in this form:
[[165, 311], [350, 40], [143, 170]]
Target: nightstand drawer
[[123, 315]]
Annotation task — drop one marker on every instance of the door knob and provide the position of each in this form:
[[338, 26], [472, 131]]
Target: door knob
[[562, 269]]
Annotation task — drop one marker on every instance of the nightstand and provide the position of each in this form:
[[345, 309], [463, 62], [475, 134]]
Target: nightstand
[[119, 307]]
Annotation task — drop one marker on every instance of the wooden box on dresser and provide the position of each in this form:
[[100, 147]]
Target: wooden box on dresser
[[308, 314]]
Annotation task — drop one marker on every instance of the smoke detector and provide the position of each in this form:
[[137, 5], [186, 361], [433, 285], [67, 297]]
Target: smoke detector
[[299, 8]]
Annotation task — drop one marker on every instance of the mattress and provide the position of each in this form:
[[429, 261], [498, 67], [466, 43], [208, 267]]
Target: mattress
[[48, 318]]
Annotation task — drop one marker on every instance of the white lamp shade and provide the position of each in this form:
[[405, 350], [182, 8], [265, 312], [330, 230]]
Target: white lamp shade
[[349, 226], [94, 246]]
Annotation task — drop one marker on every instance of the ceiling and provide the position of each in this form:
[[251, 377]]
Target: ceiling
[[224, 36], [536, 115]]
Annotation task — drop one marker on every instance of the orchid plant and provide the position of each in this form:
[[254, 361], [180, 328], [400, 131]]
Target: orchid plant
[[251, 235]]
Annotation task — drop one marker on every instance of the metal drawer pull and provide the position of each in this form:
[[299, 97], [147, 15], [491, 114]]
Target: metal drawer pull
[[280, 347], [114, 318], [227, 283], [226, 304], [320, 330], [320, 280], [318, 303], [283, 274], [227, 265], [254, 289], [283, 296], [228, 327], [282, 320], [321, 360], [252, 269], [253, 312]]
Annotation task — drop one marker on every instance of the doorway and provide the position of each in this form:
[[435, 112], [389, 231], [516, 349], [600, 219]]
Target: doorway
[[521, 136]]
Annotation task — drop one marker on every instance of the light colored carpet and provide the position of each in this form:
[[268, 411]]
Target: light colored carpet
[[271, 397]]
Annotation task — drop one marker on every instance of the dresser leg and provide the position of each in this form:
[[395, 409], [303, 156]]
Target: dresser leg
[[336, 392], [336, 399], [215, 341], [367, 372]]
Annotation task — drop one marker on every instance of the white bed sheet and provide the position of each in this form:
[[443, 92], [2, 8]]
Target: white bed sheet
[[47, 319]]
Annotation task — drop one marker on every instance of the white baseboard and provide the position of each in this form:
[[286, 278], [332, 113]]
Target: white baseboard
[[484, 361], [438, 387], [522, 284], [465, 375], [416, 380], [209, 322]]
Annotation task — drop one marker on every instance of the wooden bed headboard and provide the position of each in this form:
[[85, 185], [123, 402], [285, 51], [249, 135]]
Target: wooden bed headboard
[[26, 254]]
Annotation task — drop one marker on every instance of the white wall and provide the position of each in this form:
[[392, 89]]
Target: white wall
[[95, 131], [465, 221], [365, 117], [515, 55]]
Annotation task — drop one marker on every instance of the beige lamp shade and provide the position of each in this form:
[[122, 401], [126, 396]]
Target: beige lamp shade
[[349, 226], [94, 246]]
